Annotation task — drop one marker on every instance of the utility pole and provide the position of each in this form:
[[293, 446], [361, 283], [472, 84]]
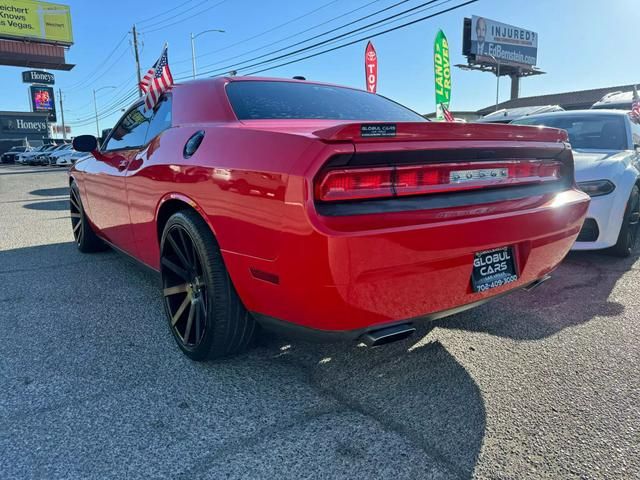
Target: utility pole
[[64, 130], [135, 49]]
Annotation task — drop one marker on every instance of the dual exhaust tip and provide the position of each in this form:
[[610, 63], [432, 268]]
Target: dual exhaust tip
[[375, 338], [383, 336]]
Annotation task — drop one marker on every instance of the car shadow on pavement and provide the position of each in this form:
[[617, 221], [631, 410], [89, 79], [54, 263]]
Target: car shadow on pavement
[[50, 192], [581, 289], [58, 205], [94, 351], [419, 391]]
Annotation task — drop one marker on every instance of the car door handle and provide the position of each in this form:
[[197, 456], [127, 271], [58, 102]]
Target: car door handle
[[122, 165]]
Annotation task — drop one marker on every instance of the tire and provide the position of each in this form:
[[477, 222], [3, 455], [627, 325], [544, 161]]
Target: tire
[[86, 239], [628, 236], [205, 314]]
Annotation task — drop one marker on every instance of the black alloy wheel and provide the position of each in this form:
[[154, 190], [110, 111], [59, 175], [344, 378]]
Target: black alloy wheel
[[184, 287], [205, 314], [86, 239], [628, 237], [76, 215]]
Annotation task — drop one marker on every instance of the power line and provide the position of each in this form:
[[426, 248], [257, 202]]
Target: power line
[[184, 19], [236, 66], [91, 75], [377, 12], [117, 103], [455, 7], [388, 22], [298, 18], [106, 113], [114, 93], [163, 13], [240, 42], [181, 13]]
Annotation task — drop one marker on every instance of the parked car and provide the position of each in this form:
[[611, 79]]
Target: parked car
[[69, 158], [61, 150], [357, 218], [508, 115], [11, 155], [43, 157], [606, 148], [24, 157], [615, 100]]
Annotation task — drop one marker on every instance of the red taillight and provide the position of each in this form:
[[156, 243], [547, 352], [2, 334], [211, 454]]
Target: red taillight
[[353, 184]]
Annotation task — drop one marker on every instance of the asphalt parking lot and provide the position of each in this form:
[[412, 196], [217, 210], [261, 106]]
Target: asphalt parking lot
[[533, 385]]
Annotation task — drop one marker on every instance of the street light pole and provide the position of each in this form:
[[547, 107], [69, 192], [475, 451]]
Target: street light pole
[[64, 130], [497, 62], [95, 107], [193, 48]]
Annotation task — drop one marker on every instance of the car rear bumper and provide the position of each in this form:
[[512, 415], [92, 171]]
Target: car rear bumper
[[359, 280]]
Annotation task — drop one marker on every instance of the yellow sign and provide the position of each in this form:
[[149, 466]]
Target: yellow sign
[[40, 21]]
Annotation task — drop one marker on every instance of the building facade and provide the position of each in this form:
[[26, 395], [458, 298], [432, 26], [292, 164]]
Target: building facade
[[21, 128]]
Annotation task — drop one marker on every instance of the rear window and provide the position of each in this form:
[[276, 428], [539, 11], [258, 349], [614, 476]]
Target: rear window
[[590, 132], [288, 100]]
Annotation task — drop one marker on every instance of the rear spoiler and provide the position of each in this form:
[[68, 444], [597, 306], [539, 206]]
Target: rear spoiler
[[440, 131]]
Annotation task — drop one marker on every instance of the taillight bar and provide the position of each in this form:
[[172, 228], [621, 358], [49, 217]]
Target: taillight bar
[[393, 181]]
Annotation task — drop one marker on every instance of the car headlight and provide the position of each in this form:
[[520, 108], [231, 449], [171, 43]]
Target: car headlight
[[597, 188]]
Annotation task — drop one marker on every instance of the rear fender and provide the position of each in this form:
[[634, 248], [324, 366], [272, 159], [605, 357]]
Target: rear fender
[[187, 200]]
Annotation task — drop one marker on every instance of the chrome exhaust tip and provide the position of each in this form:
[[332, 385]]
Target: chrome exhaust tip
[[535, 284], [386, 335]]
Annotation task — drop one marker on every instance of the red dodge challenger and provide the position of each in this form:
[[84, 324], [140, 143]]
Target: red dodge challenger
[[320, 210]]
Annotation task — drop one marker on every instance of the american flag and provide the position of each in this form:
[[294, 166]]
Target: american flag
[[157, 80], [635, 106], [447, 114]]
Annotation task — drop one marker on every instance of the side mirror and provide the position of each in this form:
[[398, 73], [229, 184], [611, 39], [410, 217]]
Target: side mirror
[[636, 146], [85, 143]]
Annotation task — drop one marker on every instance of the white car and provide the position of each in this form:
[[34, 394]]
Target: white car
[[61, 150], [616, 100], [24, 157], [606, 150], [69, 158]]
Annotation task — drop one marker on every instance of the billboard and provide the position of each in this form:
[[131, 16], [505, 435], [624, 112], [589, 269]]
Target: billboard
[[33, 20], [508, 44], [42, 100], [371, 68], [38, 76]]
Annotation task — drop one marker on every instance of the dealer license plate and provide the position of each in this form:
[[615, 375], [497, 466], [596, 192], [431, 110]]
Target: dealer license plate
[[493, 268]]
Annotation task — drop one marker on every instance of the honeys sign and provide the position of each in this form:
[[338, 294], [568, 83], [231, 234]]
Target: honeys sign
[[38, 21]]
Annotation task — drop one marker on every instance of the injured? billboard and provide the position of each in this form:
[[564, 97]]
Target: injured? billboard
[[489, 39]]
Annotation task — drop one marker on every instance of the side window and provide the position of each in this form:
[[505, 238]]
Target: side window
[[635, 130], [161, 119], [130, 131]]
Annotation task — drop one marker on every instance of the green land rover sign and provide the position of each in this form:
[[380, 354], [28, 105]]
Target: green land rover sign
[[442, 69]]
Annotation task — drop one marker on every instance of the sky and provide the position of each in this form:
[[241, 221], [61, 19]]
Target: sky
[[582, 44]]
